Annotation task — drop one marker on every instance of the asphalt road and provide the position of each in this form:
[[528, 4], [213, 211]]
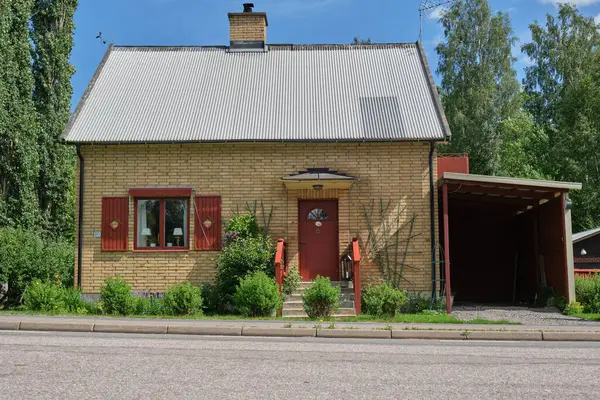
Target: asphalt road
[[92, 365]]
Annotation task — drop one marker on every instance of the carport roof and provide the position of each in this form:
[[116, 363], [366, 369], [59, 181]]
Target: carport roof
[[520, 193]]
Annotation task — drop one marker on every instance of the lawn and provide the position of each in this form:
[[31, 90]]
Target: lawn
[[400, 318], [589, 317]]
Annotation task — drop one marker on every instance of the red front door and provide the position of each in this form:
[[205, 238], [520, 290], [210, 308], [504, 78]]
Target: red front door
[[318, 225]]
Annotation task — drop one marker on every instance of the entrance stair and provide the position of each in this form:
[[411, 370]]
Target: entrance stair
[[293, 308]]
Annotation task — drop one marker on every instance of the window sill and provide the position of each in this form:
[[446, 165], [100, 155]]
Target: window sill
[[154, 250]]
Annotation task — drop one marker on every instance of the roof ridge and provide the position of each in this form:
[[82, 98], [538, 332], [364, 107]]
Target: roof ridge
[[274, 46]]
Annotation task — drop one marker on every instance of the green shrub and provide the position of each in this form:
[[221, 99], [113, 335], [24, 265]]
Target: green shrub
[[26, 256], [415, 303], [44, 296], [382, 300], [242, 226], [560, 302], [587, 292], [183, 299], [116, 297], [292, 281], [73, 301], [257, 295], [573, 308], [241, 257], [321, 299], [150, 306]]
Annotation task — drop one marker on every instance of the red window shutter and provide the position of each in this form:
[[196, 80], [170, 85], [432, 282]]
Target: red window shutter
[[207, 224], [115, 216]]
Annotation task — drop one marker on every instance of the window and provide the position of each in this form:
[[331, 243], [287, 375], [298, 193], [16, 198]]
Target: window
[[161, 224], [318, 214]]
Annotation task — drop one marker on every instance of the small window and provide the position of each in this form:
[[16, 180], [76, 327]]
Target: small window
[[318, 214], [162, 224]]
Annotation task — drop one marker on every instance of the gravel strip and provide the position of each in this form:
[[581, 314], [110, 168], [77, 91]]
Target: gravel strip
[[523, 315]]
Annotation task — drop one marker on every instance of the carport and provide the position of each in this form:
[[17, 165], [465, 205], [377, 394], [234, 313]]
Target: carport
[[504, 240]]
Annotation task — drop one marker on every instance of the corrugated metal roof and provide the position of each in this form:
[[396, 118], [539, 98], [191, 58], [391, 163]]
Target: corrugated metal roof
[[578, 237], [289, 93]]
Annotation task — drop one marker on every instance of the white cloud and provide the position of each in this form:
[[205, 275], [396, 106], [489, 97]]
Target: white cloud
[[526, 61], [576, 2], [597, 19], [437, 13]]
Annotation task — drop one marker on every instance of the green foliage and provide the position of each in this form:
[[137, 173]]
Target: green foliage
[[479, 86], [242, 226], [151, 306], [573, 308], [382, 300], [183, 299], [257, 295], [587, 292], [52, 28], [73, 301], [320, 299], [116, 297], [415, 303], [19, 162], [292, 281], [44, 296], [26, 256], [241, 257]]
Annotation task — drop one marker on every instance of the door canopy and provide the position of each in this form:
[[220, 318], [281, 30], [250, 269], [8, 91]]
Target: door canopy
[[318, 178]]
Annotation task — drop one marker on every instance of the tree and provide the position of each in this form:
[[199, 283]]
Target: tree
[[52, 35], [562, 90], [18, 122], [479, 86]]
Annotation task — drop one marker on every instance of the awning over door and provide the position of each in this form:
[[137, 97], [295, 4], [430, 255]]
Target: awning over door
[[318, 178]]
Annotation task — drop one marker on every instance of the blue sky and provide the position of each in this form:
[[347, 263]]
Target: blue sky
[[204, 22]]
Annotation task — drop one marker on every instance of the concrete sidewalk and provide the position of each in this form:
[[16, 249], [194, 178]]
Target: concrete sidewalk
[[279, 328]]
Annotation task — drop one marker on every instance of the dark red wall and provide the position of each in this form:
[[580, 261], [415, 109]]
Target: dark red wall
[[552, 245]]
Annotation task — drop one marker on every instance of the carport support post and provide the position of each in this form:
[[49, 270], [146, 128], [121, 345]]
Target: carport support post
[[446, 247], [568, 242]]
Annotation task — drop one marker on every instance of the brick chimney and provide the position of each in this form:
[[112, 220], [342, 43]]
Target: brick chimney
[[248, 26]]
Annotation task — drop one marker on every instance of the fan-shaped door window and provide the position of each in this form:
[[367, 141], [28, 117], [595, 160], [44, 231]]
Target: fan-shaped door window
[[318, 214]]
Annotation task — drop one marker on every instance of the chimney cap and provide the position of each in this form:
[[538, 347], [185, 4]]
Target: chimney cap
[[248, 7]]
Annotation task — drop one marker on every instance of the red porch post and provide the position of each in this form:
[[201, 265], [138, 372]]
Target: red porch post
[[446, 247]]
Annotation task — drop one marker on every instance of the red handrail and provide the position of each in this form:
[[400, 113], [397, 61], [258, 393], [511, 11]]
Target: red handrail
[[280, 264], [586, 273], [356, 274]]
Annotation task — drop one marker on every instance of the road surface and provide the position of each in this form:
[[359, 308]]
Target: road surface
[[41, 365]]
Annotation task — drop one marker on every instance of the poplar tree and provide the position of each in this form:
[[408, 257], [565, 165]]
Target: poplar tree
[[52, 31], [18, 121]]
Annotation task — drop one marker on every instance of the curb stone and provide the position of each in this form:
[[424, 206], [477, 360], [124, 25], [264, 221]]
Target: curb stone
[[9, 325], [128, 328], [429, 334], [56, 326], [571, 336], [355, 333], [505, 335], [204, 330], [278, 332]]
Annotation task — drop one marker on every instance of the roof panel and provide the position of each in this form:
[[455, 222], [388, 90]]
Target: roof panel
[[290, 93]]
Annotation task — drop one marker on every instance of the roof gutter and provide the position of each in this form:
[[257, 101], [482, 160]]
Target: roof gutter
[[80, 217], [432, 223]]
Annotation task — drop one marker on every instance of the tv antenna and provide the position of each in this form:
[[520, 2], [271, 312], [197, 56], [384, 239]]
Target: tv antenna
[[425, 10]]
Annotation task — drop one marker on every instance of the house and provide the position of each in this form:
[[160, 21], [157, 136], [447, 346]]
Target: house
[[586, 250], [171, 140]]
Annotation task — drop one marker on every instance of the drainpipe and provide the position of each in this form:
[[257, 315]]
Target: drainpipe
[[432, 221], [80, 219]]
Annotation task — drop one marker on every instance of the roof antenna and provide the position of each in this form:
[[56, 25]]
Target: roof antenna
[[426, 8], [248, 7]]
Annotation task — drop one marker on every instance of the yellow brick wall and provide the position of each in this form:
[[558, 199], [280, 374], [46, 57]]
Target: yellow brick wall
[[248, 27], [247, 172]]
